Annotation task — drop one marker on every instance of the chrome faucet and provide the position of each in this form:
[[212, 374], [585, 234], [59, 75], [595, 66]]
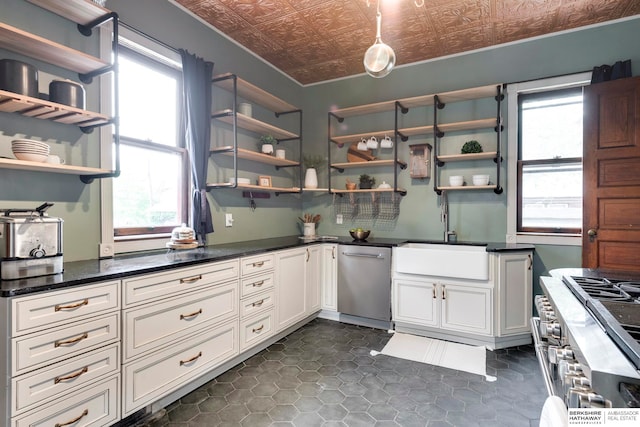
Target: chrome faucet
[[449, 235]]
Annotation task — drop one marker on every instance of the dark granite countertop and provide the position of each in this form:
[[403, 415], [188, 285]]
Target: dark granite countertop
[[94, 271]]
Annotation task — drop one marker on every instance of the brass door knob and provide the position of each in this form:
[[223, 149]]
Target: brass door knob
[[592, 232]]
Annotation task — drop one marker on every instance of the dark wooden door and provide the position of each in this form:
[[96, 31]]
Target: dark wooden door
[[611, 160]]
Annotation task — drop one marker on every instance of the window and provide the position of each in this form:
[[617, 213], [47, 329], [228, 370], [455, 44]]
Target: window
[[550, 161], [150, 195], [544, 160]]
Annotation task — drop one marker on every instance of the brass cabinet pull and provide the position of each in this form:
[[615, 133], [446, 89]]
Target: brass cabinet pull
[[75, 420], [191, 279], [257, 284], [196, 357], [530, 262], [444, 296], [333, 252], [258, 264], [256, 330], [72, 306], [71, 341], [434, 291], [308, 255], [258, 303], [84, 370], [187, 316]]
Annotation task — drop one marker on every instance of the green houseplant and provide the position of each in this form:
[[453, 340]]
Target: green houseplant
[[472, 146], [366, 181], [266, 143]]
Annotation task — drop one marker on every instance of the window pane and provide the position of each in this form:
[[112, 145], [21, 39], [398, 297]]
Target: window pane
[[551, 128], [147, 103], [149, 189], [552, 196]]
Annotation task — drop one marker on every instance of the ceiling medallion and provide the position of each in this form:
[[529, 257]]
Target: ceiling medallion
[[380, 58]]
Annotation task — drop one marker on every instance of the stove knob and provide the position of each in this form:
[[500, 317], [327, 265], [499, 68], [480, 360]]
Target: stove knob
[[38, 252], [568, 367], [550, 329], [559, 353], [586, 398], [581, 381]]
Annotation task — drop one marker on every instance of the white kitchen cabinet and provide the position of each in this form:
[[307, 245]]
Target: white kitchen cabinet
[[493, 312], [258, 299], [313, 269], [62, 351], [329, 277], [290, 287]]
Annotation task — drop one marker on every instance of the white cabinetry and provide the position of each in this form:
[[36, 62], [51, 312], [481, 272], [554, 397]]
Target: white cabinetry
[[491, 312], [313, 269], [63, 362], [198, 309], [290, 287], [257, 300], [329, 277]]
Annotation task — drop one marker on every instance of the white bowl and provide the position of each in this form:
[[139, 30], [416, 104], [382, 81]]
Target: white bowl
[[32, 157], [480, 179], [456, 180]]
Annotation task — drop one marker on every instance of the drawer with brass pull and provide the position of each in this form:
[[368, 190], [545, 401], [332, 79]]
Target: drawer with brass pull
[[39, 311], [159, 286], [44, 385], [52, 345], [179, 316], [254, 284], [256, 329], [256, 303], [257, 264]]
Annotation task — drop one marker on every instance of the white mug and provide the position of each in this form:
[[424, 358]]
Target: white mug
[[54, 160], [387, 142], [280, 153], [362, 145], [372, 143], [267, 148]]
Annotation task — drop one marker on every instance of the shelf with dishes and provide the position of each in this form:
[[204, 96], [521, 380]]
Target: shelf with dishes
[[368, 164], [254, 187], [49, 167], [468, 187]]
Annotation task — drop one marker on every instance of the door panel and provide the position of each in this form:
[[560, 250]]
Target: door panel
[[611, 217]]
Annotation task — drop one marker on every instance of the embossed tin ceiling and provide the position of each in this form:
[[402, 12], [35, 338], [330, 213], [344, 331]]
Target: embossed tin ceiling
[[317, 40]]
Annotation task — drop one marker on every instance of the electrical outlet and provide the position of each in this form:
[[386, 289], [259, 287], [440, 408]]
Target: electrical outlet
[[106, 250], [228, 220], [339, 219]]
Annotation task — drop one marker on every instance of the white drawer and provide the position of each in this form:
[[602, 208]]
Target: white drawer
[[53, 345], [256, 329], [256, 304], [179, 317], [257, 264], [255, 284], [162, 285], [148, 379], [96, 405], [46, 384], [51, 309]]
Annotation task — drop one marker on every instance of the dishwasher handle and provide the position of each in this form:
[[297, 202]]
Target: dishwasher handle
[[364, 255]]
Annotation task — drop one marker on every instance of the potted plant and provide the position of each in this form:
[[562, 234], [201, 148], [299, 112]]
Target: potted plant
[[470, 147], [311, 162], [366, 181], [266, 144]]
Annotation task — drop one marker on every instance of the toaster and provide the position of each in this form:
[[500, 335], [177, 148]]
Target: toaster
[[30, 243]]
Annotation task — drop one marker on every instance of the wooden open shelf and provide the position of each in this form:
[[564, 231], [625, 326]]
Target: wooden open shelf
[[79, 11], [367, 164], [469, 187], [49, 167], [372, 190], [40, 109], [254, 156], [253, 93], [24, 43], [467, 157], [254, 187], [419, 101], [253, 125]]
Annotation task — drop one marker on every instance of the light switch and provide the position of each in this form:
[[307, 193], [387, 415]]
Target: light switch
[[339, 219], [228, 220]]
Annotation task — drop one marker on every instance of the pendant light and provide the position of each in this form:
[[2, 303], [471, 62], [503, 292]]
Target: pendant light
[[379, 59]]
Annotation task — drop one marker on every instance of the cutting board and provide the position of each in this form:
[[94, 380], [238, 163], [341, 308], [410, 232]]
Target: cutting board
[[355, 155]]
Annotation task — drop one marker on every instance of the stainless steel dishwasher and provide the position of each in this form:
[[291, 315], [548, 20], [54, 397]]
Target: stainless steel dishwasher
[[364, 281]]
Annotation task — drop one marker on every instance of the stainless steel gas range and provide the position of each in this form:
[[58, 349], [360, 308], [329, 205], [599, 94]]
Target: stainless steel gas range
[[587, 338]]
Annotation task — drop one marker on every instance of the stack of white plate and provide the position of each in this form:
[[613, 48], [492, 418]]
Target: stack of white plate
[[28, 149]]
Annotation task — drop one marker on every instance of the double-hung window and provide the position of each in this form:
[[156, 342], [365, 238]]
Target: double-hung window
[[150, 195], [545, 160]]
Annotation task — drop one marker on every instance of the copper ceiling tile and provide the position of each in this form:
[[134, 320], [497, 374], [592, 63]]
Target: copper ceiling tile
[[260, 11], [335, 16], [286, 31]]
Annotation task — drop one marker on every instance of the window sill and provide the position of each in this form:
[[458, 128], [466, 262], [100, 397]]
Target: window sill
[[137, 243], [546, 239]]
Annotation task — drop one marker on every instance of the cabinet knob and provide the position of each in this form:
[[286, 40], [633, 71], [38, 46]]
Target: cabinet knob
[[592, 232]]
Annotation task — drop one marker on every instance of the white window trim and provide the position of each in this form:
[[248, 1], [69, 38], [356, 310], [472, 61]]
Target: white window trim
[[513, 90], [106, 185]]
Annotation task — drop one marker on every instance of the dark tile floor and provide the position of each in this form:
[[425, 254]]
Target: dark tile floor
[[323, 375]]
